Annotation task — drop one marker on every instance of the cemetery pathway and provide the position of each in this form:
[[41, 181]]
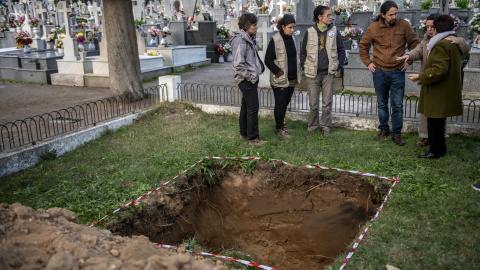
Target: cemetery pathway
[[22, 100]]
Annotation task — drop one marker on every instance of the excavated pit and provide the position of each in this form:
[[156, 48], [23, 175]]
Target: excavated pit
[[284, 217]]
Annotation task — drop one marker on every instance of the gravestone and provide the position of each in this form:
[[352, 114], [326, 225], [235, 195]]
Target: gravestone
[[472, 73], [264, 34], [95, 12], [138, 7], [178, 29], [303, 14]]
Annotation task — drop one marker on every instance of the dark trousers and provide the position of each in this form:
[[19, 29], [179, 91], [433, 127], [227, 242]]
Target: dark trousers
[[436, 136], [282, 96], [249, 110]]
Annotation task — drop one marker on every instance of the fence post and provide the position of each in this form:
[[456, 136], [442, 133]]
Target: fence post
[[171, 81]]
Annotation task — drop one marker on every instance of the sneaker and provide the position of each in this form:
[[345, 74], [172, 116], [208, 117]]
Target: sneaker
[[381, 134], [243, 138], [283, 132], [256, 142], [423, 142], [398, 140], [476, 187], [325, 131]]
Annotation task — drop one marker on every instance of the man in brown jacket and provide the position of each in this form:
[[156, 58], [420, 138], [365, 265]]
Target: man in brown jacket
[[421, 53], [388, 35]]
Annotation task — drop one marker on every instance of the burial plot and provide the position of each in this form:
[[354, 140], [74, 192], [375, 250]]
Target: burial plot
[[283, 217]]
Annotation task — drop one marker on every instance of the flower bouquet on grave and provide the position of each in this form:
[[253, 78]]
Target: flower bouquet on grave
[[81, 25], [456, 21], [230, 11], [220, 48], [407, 3], [80, 39], [18, 22], [72, 14], [338, 10], [3, 29], [222, 31], [59, 44], [34, 22], [154, 32], [196, 11], [244, 8], [352, 33], [182, 12], [50, 37], [166, 32], [423, 25], [22, 38]]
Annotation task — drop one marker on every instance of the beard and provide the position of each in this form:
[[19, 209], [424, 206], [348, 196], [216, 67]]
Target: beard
[[391, 23]]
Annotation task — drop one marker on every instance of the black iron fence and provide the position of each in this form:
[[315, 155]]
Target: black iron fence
[[40, 127], [348, 103]]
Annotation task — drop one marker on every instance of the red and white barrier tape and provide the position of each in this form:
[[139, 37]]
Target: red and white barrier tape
[[350, 254], [222, 257]]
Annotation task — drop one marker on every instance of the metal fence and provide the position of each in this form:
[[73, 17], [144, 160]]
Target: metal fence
[[40, 127], [348, 103]]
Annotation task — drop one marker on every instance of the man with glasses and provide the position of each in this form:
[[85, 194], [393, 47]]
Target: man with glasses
[[321, 57], [421, 53], [388, 35]]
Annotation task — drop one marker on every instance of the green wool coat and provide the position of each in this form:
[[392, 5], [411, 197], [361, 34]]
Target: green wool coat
[[441, 92]]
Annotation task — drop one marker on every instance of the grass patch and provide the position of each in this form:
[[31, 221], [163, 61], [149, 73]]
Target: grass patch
[[17, 81], [430, 221]]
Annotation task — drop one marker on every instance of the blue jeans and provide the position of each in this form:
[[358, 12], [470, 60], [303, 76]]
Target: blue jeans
[[392, 82]]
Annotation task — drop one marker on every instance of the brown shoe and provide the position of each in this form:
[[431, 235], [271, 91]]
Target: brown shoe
[[325, 131], [382, 134], [256, 142], [283, 132], [423, 142], [398, 140]]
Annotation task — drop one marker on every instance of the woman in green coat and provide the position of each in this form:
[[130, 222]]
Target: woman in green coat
[[441, 92]]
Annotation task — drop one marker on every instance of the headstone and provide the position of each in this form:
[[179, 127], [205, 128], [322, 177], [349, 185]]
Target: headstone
[[264, 33], [95, 12], [178, 29], [304, 14], [69, 43]]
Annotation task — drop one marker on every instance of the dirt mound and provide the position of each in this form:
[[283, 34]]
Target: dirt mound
[[51, 239], [284, 217]]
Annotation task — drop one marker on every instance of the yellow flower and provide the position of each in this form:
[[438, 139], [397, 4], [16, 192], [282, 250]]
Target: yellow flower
[[80, 35]]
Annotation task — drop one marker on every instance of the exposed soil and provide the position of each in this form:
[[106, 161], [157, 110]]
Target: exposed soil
[[284, 217]]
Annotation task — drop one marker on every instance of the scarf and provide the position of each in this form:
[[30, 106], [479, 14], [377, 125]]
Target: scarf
[[435, 39]]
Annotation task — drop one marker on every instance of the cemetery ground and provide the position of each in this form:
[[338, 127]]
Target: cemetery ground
[[264, 209]]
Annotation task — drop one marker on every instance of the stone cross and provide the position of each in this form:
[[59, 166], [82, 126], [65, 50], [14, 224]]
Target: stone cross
[[43, 12], [94, 12], [69, 43], [9, 5], [281, 3], [151, 7], [264, 29]]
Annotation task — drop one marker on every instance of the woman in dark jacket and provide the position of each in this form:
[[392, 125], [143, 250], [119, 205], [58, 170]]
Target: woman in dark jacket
[[281, 59], [247, 67], [441, 92]]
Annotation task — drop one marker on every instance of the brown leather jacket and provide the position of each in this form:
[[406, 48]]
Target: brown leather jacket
[[388, 43]]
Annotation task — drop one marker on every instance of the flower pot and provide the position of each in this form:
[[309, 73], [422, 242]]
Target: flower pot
[[220, 59], [153, 41], [354, 44], [91, 46], [36, 32], [81, 48], [163, 42], [230, 58], [26, 49], [19, 29], [60, 50], [49, 46], [463, 15]]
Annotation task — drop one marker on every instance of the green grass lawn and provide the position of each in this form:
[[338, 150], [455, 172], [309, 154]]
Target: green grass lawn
[[431, 220]]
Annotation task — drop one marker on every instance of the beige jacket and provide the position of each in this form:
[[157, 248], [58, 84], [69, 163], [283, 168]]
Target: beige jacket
[[311, 62]]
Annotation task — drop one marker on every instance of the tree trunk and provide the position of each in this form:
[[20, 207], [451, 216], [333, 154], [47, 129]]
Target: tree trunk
[[123, 60]]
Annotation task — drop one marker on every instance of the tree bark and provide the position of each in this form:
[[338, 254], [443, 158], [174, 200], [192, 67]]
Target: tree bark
[[123, 60]]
